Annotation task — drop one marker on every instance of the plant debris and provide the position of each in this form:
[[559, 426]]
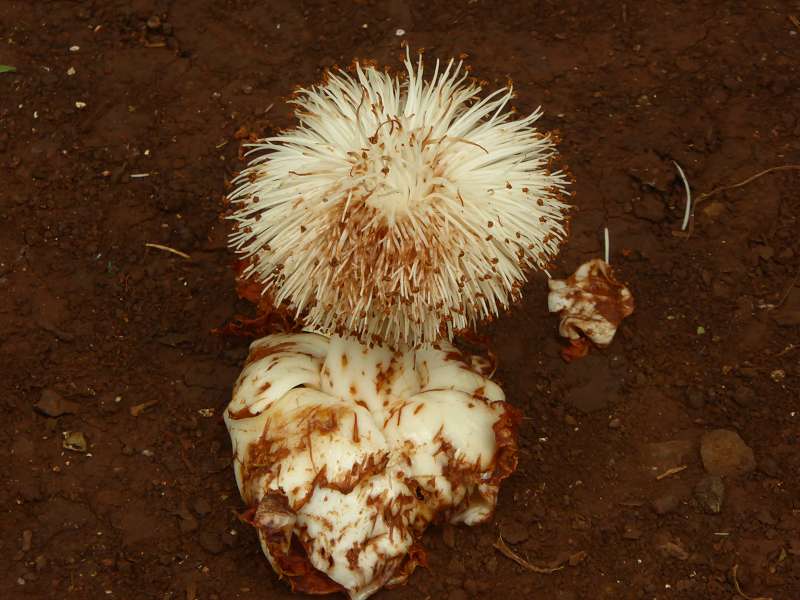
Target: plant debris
[[572, 560], [75, 441]]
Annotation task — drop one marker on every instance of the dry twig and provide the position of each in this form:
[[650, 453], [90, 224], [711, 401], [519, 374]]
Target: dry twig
[[750, 179], [671, 471], [503, 548], [168, 249], [715, 191]]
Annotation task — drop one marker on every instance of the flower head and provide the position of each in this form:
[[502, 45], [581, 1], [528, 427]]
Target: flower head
[[399, 210]]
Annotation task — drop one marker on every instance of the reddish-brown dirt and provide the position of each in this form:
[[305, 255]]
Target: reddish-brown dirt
[[88, 312]]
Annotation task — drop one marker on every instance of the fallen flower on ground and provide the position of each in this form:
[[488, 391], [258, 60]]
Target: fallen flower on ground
[[591, 304]]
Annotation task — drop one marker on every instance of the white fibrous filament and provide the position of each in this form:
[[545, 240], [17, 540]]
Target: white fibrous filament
[[344, 453], [591, 303], [399, 210]]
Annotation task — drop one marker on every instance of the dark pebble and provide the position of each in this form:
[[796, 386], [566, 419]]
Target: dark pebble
[[201, 506], [710, 492], [770, 467], [514, 533], [666, 503], [210, 542]]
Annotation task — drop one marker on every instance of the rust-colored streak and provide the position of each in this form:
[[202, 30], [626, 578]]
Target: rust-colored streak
[[264, 351], [356, 437], [242, 413]]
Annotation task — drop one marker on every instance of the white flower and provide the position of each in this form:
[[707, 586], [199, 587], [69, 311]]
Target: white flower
[[399, 210], [345, 454]]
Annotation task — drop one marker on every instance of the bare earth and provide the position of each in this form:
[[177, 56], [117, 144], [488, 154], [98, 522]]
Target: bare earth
[[119, 129]]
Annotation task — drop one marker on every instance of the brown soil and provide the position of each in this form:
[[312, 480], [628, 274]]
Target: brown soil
[[91, 313]]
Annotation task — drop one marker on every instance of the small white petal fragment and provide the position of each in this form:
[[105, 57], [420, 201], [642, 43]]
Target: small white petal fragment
[[71, 71], [591, 303], [74, 48], [80, 105], [345, 453], [400, 32]]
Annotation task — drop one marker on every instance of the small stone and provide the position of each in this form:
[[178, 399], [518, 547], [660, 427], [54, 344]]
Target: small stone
[[724, 453], [75, 441], [513, 533], [769, 467], [210, 542], [614, 423], [154, 23], [673, 550], [188, 523], [666, 503], [570, 421], [714, 210], [765, 517], [201, 506], [650, 209], [710, 492], [53, 404]]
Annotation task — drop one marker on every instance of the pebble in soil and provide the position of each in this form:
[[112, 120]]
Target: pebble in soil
[[724, 453]]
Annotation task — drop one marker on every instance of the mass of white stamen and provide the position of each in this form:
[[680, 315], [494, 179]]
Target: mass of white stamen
[[399, 210]]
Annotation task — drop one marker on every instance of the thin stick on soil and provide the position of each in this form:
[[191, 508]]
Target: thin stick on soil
[[503, 548], [750, 179], [788, 289], [168, 249], [739, 589], [671, 471], [608, 246], [688, 211], [715, 191]]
